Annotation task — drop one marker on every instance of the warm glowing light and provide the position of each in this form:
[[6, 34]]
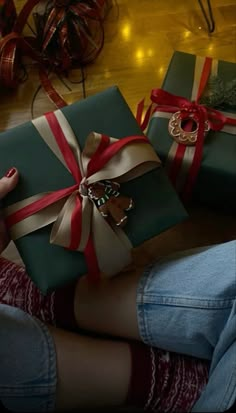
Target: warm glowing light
[[107, 73], [200, 28], [126, 31], [187, 34], [150, 52], [69, 99], [210, 47], [161, 70], [139, 54]]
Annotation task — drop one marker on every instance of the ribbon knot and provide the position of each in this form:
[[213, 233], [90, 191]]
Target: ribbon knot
[[206, 118], [78, 222], [189, 122], [192, 109], [83, 187]]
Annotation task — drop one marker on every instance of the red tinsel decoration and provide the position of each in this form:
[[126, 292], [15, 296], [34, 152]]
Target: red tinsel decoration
[[69, 34]]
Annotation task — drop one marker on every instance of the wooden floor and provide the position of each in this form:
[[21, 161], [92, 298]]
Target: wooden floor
[[140, 37]]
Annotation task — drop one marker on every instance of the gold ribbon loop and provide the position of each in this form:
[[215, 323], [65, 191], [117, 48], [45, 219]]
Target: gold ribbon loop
[[112, 246], [112, 252]]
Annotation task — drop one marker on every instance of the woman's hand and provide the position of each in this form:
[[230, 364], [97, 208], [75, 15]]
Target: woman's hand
[[7, 184]]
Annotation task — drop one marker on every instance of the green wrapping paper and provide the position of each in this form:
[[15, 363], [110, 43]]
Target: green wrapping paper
[[216, 180], [157, 207]]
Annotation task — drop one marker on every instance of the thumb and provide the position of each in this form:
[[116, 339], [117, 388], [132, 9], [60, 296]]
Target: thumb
[[8, 182]]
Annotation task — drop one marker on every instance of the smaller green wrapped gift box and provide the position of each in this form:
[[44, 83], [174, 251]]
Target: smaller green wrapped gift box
[[210, 83], [33, 150]]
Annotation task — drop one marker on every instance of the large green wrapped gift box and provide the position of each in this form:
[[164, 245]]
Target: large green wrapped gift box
[[157, 207], [211, 83]]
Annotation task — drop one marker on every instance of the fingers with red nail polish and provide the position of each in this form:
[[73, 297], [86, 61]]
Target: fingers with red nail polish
[[10, 172], [8, 182]]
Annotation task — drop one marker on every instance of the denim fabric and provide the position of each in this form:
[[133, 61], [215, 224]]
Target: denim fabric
[[27, 363], [186, 303]]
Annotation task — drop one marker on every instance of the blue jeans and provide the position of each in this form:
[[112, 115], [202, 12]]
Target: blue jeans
[[27, 363], [186, 303]]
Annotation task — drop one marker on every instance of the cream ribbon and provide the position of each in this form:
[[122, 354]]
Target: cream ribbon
[[112, 246], [190, 150]]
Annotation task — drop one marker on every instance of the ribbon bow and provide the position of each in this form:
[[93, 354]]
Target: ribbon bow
[[65, 36], [63, 41], [188, 125], [77, 223], [196, 116], [167, 102]]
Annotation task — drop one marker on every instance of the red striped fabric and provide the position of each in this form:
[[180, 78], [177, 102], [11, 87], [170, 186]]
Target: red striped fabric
[[64, 40]]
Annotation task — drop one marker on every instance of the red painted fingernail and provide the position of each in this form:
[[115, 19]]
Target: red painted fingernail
[[10, 173]]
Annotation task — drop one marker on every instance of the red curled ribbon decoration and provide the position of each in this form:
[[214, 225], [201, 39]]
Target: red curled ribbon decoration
[[189, 112], [64, 40]]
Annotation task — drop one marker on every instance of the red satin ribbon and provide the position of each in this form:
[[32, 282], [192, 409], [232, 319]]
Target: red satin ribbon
[[104, 153], [167, 102]]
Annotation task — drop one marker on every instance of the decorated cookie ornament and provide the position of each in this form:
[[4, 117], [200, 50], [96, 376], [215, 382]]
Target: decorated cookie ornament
[[109, 201]]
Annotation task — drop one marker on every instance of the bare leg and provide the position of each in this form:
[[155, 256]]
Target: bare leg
[[95, 373], [91, 372], [85, 372], [109, 307]]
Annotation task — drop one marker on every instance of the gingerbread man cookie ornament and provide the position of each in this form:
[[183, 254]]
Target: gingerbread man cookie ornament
[[109, 201]]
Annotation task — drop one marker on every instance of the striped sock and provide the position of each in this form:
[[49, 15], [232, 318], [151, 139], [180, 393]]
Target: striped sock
[[163, 381], [18, 290]]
